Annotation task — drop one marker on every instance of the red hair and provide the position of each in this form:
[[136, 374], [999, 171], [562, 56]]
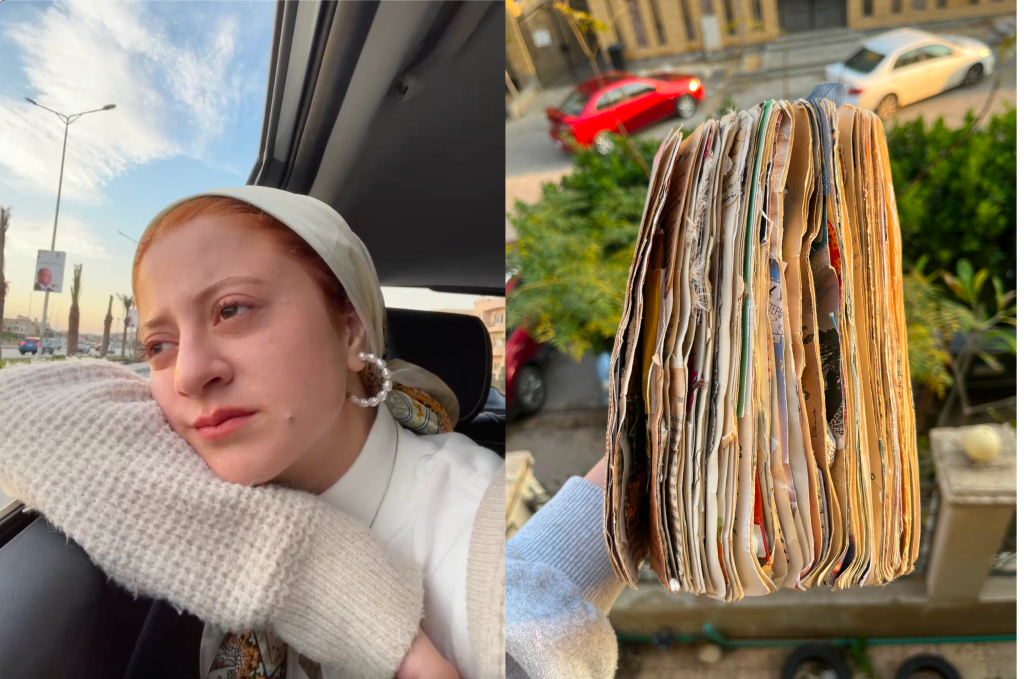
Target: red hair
[[289, 242]]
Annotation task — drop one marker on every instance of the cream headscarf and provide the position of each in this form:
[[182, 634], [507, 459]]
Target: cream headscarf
[[326, 232]]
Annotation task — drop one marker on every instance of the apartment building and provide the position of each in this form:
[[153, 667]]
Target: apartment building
[[490, 310]]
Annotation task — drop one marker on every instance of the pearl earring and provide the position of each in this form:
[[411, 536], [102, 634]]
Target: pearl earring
[[385, 376]]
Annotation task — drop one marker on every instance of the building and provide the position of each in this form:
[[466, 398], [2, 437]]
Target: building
[[22, 326], [491, 311], [537, 49]]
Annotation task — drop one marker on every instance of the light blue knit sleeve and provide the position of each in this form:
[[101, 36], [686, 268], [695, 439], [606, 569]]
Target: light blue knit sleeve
[[559, 587]]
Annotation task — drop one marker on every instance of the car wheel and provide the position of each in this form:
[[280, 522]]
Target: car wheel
[[887, 107], [603, 142], [974, 75], [531, 390], [686, 106], [825, 659], [925, 662]]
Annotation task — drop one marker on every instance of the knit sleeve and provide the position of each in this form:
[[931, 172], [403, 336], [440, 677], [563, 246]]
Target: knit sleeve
[[84, 443], [485, 582], [560, 586]]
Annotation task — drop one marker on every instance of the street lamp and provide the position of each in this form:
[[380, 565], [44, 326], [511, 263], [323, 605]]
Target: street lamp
[[67, 120]]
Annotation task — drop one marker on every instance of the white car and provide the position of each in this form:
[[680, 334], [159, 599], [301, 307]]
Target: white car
[[900, 67]]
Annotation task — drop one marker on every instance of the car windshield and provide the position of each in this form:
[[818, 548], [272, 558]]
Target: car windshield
[[864, 61], [574, 104]]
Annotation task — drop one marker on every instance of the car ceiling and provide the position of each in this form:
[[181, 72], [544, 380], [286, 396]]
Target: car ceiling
[[393, 113]]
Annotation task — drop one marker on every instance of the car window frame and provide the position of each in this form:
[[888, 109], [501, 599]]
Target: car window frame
[[864, 48], [611, 90], [939, 45], [916, 50], [648, 89], [583, 108]]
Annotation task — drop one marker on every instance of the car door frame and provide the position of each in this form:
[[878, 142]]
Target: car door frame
[[640, 110], [944, 68], [902, 79], [596, 120]]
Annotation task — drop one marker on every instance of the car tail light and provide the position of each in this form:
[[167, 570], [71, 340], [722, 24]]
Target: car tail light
[[694, 84], [856, 90]]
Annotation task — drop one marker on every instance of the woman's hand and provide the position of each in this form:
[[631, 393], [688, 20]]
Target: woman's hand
[[597, 472], [424, 662]]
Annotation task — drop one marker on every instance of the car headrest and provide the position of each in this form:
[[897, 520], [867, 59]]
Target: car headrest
[[455, 347]]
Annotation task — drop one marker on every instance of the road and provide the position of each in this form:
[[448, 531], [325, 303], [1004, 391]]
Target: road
[[531, 157], [7, 352]]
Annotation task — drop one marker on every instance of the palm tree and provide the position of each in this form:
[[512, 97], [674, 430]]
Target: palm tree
[[106, 327], [5, 222], [128, 301], [73, 316]]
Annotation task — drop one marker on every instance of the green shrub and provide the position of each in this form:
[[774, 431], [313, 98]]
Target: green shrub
[[728, 104], [27, 360], [966, 207], [931, 321], [574, 249]]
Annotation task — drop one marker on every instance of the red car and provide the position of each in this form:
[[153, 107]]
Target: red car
[[525, 388], [592, 114]]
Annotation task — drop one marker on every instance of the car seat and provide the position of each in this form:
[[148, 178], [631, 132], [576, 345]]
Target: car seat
[[456, 348]]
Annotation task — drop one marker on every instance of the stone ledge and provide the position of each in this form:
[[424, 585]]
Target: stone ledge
[[963, 483], [900, 609]]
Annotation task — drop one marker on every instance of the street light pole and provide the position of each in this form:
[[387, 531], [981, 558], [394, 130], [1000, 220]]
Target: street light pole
[[67, 120]]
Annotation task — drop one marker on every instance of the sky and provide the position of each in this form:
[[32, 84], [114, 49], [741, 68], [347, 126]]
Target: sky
[[189, 83]]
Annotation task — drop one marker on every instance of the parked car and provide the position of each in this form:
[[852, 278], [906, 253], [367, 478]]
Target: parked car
[[901, 67], [591, 114], [525, 387], [28, 345]]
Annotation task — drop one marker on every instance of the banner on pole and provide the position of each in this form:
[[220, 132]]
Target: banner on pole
[[49, 271]]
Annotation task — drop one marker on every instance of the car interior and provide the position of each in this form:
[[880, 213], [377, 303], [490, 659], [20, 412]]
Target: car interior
[[365, 101]]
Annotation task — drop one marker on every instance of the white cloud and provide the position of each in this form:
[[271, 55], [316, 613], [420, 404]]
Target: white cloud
[[172, 97], [73, 237]]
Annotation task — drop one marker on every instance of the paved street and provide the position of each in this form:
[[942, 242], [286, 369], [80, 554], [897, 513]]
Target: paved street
[[7, 352], [531, 157]]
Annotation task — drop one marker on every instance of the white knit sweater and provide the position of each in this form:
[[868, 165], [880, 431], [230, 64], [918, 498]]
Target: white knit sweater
[[83, 442]]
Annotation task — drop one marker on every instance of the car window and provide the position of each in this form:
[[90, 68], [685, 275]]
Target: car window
[[936, 51], [864, 61], [609, 99], [635, 90], [574, 104], [911, 57]]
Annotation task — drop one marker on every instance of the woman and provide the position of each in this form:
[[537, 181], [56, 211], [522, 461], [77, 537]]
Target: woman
[[263, 321]]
